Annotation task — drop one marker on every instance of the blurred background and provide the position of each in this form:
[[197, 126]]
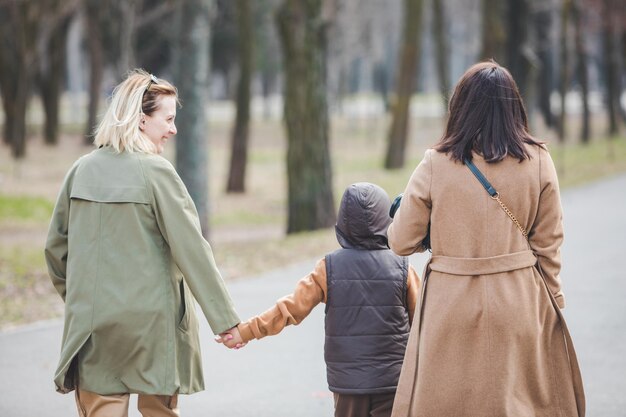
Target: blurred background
[[284, 104]]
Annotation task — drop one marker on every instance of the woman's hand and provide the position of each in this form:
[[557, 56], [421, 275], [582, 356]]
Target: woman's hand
[[231, 338]]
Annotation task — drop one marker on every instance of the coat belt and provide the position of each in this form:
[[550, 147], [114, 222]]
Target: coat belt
[[483, 266]]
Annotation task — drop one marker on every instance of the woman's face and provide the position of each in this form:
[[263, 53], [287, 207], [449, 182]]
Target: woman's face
[[159, 126]]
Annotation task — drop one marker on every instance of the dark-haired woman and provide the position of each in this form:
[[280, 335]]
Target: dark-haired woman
[[490, 339]]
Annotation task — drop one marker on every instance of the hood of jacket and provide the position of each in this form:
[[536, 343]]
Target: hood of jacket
[[363, 217]]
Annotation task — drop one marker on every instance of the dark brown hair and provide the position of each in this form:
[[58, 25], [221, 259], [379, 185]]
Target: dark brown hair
[[486, 115]]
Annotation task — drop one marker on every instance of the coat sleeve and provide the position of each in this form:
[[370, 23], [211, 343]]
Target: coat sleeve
[[56, 248], [178, 222], [546, 234], [410, 224], [291, 309]]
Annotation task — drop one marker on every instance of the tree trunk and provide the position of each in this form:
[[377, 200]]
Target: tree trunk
[[494, 33], [96, 63], [564, 70], [14, 93], [239, 147], [517, 43], [7, 70], [543, 21], [17, 112], [381, 83], [128, 12], [6, 74], [622, 41], [25, 58], [52, 78], [266, 89], [8, 125], [192, 79], [611, 64], [442, 50], [405, 81], [302, 33], [267, 52], [19, 57], [583, 76]]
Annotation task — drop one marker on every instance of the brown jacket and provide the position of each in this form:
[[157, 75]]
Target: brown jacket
[[490, 339], [310, 291]]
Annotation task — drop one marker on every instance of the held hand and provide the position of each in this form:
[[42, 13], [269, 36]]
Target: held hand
[[231, 339], [223, 337]]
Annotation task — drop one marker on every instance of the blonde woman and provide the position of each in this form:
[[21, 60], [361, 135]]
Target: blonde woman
[[126, 254]]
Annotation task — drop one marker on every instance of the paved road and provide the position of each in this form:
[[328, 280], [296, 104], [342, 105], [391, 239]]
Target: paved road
[[284, 375]]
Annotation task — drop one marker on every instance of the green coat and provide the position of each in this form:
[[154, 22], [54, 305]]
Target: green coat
[[123, 234]]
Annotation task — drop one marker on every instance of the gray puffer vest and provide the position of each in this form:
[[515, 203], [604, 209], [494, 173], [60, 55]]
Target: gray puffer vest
[[367, 324]]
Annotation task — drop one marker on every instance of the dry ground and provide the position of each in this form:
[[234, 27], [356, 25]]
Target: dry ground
[[247, 230]]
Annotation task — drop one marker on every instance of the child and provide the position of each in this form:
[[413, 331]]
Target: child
[[370, 295]]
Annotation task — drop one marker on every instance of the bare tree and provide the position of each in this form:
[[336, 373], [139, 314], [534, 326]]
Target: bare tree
[[622, 38], [33, 35], [611, 15], [302, 30], [128, 13], [191, 74], [17, 60], [517, 46], [111, 28], [442, 49], [51, 68], [268, 51], [382, 82], [543, 20], [405, 81], [95, 50], [18, 57], [564, 65], [239, 144], [493, 31], [582, 72], [150, 39]]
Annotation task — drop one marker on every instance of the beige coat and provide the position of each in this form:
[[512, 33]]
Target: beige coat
[[488, 337]]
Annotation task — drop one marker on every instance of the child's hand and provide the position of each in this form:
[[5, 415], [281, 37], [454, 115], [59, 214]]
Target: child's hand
[[231, 339]]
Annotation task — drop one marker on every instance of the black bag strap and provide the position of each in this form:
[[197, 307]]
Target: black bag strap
[[494, 194], [479, 175]]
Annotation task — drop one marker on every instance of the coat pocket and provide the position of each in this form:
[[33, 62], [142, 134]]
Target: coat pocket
[[185, 299]]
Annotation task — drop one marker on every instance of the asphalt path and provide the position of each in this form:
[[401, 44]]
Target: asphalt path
[[285, 375]]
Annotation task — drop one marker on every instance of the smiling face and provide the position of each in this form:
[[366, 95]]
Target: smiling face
[[159, 126]]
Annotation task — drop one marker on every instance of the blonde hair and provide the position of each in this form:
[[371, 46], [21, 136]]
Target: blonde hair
[[139, 94]]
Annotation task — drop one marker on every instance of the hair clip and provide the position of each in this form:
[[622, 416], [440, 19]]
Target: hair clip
[[153, 80]]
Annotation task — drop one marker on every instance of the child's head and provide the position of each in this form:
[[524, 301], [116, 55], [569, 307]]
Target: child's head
[[363, 217]]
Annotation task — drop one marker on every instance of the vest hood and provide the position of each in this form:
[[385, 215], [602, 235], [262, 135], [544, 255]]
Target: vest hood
[[363, 217]]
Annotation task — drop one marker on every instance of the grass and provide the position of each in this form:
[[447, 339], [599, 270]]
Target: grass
[[579, 164], [247, 230], [25, 288], [25, 208]]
